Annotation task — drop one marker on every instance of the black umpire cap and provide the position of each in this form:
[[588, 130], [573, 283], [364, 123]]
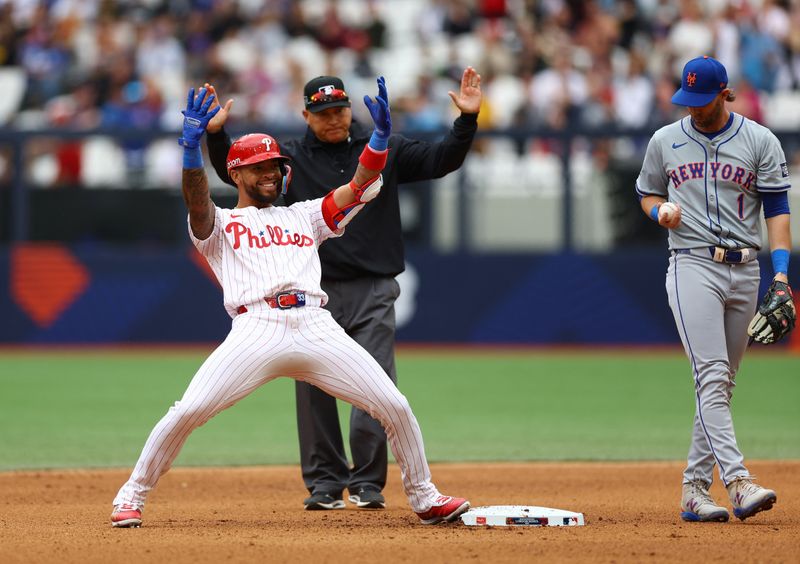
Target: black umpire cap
[[325, 92]]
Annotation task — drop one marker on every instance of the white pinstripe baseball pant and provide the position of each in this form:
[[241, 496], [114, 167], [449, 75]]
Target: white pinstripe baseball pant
[[301, 343]]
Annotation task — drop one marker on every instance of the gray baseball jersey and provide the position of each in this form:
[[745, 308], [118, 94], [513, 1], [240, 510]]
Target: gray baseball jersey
[[718, 184], [715, 181]]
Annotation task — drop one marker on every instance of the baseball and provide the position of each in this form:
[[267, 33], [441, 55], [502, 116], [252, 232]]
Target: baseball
[[667, 211]]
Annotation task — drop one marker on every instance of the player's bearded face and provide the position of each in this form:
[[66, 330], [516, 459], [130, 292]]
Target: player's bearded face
[[331, 125], [261, 182], [710, 116]]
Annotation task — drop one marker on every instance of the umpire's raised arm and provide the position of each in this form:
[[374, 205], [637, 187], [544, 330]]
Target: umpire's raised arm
[[422, 160], [219, 142]]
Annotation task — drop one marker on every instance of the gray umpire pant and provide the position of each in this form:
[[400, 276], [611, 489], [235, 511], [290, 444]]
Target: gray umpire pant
[[364, 307]]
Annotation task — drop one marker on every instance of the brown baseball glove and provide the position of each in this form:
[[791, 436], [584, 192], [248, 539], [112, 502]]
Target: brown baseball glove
[[776, 315]]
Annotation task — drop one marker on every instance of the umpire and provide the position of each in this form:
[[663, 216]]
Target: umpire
[[358, 271]]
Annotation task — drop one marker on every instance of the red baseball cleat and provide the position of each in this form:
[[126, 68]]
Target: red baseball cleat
[[126, 515], [446, 508]]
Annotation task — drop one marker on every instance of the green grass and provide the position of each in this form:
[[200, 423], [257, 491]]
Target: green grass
[[95, 409]]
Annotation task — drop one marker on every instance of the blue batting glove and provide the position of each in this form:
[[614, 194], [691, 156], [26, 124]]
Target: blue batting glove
[[196, 117], [381, 117]]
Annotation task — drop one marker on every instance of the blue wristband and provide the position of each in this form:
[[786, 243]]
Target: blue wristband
[[780, 261], [192, 158], [378, 142], [654, 212]]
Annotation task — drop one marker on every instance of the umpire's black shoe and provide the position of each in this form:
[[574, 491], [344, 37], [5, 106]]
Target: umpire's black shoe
[[323, 500], [368, 499]]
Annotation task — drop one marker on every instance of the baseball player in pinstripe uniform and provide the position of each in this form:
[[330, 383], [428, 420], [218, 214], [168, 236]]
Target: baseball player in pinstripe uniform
[[266, 259], [358, 271], [706, 179]]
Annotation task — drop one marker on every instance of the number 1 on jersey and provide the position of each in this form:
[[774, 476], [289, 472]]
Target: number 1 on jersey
[[740, 199]]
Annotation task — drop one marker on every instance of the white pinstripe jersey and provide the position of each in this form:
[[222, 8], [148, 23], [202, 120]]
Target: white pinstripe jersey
[[257, 253], [717, 182]]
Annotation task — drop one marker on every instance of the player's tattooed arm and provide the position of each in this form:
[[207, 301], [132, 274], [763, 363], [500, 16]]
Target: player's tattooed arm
[[198, 201], [197, 115]]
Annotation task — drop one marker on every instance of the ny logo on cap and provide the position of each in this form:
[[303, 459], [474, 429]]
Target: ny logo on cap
[[691, 78], [327, 90], [268, 142]]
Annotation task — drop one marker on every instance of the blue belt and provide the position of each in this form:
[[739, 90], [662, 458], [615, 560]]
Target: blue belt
[[721, 254]]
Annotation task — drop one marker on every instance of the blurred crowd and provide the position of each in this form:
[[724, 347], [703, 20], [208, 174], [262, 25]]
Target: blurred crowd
[[544, 63]]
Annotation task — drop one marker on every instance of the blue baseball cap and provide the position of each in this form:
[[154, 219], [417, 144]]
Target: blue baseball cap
[[702, 79]]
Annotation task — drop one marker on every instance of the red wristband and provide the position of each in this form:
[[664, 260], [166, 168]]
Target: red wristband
[[372, 159]]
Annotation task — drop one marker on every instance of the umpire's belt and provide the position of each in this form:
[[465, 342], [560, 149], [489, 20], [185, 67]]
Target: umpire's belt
[[721, 254], [284, 300]]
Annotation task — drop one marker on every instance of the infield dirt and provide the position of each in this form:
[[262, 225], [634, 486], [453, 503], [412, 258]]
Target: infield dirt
[[256, 515]]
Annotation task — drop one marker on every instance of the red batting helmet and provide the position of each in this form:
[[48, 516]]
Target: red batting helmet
[[254, 148]]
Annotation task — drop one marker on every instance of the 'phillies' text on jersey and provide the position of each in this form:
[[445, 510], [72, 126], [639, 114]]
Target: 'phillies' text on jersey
[[277, 236]]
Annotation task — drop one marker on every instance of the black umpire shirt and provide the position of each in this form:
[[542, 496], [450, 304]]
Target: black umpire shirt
[[373, 246]]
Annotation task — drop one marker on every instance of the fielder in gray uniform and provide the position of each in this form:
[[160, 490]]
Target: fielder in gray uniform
[[706, 178]]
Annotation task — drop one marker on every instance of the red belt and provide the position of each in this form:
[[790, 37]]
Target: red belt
[[284, 300]]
